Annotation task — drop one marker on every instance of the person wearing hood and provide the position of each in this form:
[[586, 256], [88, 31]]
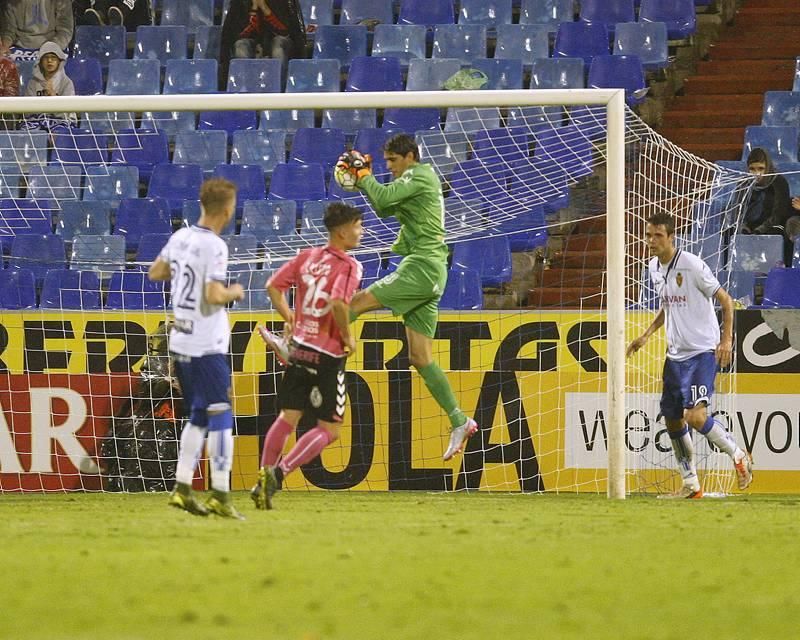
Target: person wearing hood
[[28, 24], [770, 204], [50, 79]]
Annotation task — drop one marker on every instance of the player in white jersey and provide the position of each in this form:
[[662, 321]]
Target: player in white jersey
[[195, 259], [686, 289]]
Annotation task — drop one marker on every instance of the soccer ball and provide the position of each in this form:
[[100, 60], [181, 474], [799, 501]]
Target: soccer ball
[[345, 177]]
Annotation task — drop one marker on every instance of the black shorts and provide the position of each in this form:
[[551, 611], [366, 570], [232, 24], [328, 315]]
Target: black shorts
[[314, 382]]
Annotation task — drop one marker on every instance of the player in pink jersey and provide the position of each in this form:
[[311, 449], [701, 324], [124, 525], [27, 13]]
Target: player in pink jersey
[[325, 279]]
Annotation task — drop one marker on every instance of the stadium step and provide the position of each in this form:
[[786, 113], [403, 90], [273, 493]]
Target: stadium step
[[720, 118], [740, 83], [702, 135], [581, 259], [571, 278], [696, 102], [584, 242], [769, 65], [767, 16], [715, 151], [736, 51], [585, 297]]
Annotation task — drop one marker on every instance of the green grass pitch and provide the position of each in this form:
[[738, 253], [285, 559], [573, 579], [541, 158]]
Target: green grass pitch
[[400, 565]]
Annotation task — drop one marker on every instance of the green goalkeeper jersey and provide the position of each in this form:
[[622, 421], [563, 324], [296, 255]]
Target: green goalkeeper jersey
[[415, 199]]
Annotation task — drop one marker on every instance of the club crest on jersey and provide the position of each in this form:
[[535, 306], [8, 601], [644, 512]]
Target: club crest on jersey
[[679, 278], [315, 397]]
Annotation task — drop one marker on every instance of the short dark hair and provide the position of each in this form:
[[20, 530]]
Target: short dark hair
[[757, 154], [402, 144], [215, 193], [339, 213], [664, 219]]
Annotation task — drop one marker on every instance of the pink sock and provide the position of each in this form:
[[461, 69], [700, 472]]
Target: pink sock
[[276, 438], [308, 447]]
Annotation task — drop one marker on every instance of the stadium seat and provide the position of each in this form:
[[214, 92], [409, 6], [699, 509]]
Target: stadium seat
[[110, 183], [547, 12], [607, 12], [373, 73], [549, 73], [402, 41], [160, 43], [463, 290], [796, 254], [471, 119], [465, 218], [25, 71], [320, 146], [525, 42], [241, 247], [261, 75], [581, 40], [501, 146], [303, 76], [756, 253], [133, 291], [101, 43], [349, 120], [780, 142], [502, 73], [101, 254], [791, 171], [370, 264], [411, 119], [527, 230], [170, 122], [621, 72], [80, 146], [286, 120], [262, 148], [539, 182], [464, 42], [566, 148], [796, 83], [389, 263], [133, 77], [204, 148], [782, 288], [490, 257], [299, 182], [430, 75], [316, 13], [228, 121], [248, 178], [489, 13], [740, 285], [191, 14], [269, 220], [443, 150], [20, 216], [54, 182], [426, 12], [473, 179], [255, 291], [150, 246], [86, 74], [207, 42], [10, 177], [17, 289], [176, 183], [25, 148], [312, 228], [680, 16], [107, 122], [190, 76], [364, 11], [67, 289], [342, 42], [141, 149], [648, 40], [92, 217], [38, 253], [371, 140], [137, 216], [781, 109], [190, 214]]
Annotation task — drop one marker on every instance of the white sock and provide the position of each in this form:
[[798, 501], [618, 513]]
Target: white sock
[[192, 439], [220, 451], [684, 453], [724, 441]]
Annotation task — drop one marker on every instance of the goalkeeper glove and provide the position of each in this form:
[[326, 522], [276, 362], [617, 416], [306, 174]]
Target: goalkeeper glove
[[360, 165]]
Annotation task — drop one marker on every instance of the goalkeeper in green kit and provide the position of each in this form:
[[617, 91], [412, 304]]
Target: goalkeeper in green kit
[[413, 291]]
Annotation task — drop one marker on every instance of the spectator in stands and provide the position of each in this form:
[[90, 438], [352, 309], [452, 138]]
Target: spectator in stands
[[129, 13], [28, 24], [261, 29], [9, 87], [50, 79], [770, 205]]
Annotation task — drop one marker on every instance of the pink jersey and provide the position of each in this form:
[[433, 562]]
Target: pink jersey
[[321, 274]]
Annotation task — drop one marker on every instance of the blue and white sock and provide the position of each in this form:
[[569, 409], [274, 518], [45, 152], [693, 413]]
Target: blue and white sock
[[684, 453], [721, 438], [192, 440], [220, 452]]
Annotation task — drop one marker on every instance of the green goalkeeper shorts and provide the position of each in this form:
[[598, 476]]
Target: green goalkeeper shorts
[[413, 291]]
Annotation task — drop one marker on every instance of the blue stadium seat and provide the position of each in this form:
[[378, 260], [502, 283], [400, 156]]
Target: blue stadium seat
[[190, 214], [502, 145], [581, 40], [110, 183], [466, 218], [17, 289], [791, 171], [781, 109], [286, 120], [133, 77], [20, 216], [463, 290], [411, 119], [539, 182], [358, 11], [316, 13], [170, 122], [426, 12], [322, 74], [342, 42], [740, 285], [207, 42], [782, 288], [371, 73], [25, 71], [102, 43], [80, 146], [430, 75], [370, 264], [137, 216], [471, 119], [191, 14], [160, 43], [389, 263], [299, 182], [371, 141], [502, 73], [567, 149], [402, 41], [229, 121], [443, 150], [133, 291], [465, 42], [241, 247], [490, 257], [141, 149], [255, 291], [473, 179], [320, 146], [269, 220], [24, 148], [107, 122], [621, 72], [10, 177], [780, 142], [101, 254], [349, 120], [66, 289], [796, 254], [261, 75], [796, 83], [262, 148], [549, 73], [176, 182], [607, 12], [204, 148], [648, 40], [248, 178], [525, 42], [527, 230], [38, 253], [150, 246], [55, 182], [489, 13], [756, 253], [680, 16], [86, 74], [92, 217], [190, 76], [547, 12]]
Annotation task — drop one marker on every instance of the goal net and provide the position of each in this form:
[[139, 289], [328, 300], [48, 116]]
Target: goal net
[[548, 263]]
